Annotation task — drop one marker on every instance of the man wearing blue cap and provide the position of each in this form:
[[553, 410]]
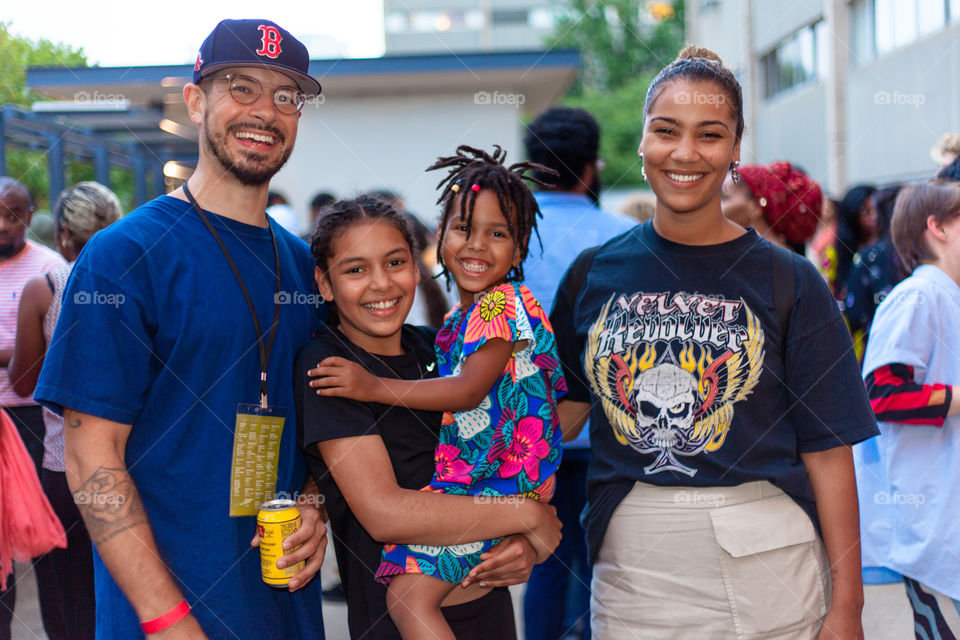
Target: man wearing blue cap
[[173, 366]]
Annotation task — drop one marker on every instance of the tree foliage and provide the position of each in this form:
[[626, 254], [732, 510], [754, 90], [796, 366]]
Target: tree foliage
[[623, 44], [16, 55]]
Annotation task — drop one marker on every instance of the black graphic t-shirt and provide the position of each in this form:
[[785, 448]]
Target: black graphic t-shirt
[[678, 348]]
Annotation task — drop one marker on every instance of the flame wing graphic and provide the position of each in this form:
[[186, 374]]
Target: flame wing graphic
[[731, 378]]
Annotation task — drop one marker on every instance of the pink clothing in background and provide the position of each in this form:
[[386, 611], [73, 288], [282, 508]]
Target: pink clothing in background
[[28, 525]]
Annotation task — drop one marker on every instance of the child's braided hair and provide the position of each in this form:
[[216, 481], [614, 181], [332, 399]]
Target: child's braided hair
[[471, 167]]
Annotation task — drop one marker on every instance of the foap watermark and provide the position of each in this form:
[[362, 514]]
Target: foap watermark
[[915, 100], [895, 497], [314, 101], [97, 297], [298, 298], [510, 499], [699, 97], [700, 498], [309, 499], [98, 98], [908, 298], [499, 98], [99, 499]]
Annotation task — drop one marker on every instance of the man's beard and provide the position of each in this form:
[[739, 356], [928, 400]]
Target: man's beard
[[8, 250], [254, 172]]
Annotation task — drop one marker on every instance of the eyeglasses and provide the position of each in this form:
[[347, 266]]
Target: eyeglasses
[[247, 90]]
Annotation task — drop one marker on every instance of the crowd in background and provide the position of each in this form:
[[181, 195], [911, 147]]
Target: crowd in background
[[889, 253]]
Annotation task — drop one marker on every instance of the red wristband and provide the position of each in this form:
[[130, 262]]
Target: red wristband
[[167, 620]]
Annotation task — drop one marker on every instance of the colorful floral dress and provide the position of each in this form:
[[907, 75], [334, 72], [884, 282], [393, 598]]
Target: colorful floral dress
[[507, 446]]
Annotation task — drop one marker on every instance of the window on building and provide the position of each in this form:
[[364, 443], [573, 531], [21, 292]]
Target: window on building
[[543, 18], [396, 22], [931, 15], [473, 20], [880, 26], [821, 40], [799, 59], [423, 21], [511, 17], [861, 31], [432, 21]]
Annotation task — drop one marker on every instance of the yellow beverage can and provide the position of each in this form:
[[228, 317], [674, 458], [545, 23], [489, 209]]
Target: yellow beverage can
[[275, 522]]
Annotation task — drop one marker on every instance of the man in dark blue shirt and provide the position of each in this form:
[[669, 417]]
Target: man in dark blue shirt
[[175, 317]]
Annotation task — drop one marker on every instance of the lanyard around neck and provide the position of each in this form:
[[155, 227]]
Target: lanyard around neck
[[264, 350]]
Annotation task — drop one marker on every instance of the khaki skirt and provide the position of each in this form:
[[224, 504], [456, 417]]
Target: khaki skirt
[[739, 562]]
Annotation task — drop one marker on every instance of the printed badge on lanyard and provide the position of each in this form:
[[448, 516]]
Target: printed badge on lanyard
[[259, 427]]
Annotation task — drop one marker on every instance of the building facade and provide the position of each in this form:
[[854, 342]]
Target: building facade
[[377, 125], [851, 91], [444, 26]]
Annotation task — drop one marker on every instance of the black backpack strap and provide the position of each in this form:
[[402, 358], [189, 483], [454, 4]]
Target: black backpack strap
[[577, 276], [784, 292]]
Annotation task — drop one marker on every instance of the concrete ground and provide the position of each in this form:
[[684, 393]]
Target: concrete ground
[[885, 617]]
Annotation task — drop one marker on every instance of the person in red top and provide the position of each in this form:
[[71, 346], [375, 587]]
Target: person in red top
[[20, 260]]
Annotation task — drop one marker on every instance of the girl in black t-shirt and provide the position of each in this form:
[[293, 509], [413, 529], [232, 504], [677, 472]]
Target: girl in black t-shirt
[[379, 456], [721, 437]]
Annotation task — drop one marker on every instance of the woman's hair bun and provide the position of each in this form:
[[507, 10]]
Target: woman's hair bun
[[693, 51]]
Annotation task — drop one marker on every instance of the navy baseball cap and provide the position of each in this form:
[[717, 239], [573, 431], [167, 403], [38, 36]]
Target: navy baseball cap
[[255, 43]]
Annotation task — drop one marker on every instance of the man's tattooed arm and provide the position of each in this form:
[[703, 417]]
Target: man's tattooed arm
[[108, 500], [109, 504]]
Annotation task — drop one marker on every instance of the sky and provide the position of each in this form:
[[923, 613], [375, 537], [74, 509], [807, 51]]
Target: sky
[[134, 33]]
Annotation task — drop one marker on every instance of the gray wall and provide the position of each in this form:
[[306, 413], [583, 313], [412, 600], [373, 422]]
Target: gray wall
[[790, 126], [717, 27], [889, 134]]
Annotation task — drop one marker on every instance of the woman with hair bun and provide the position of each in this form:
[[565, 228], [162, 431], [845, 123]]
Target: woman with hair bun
[[723, 398]]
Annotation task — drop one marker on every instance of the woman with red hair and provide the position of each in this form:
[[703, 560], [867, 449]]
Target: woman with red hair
[[781, 202]]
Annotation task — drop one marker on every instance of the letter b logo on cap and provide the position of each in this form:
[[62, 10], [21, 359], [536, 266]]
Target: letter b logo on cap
[[270, 43]]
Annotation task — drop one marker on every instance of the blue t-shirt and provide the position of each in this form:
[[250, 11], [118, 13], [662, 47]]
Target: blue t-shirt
[[678, 348], [155, 332]]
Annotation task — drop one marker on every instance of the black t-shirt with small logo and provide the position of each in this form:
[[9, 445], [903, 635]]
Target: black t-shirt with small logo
[[410, 438]]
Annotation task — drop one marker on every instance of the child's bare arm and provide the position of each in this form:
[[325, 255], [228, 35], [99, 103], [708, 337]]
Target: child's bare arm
[[573, 415], [341, 377], [362, 470]]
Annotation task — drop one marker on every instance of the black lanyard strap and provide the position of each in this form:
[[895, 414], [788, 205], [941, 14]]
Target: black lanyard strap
[[264, 350]]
